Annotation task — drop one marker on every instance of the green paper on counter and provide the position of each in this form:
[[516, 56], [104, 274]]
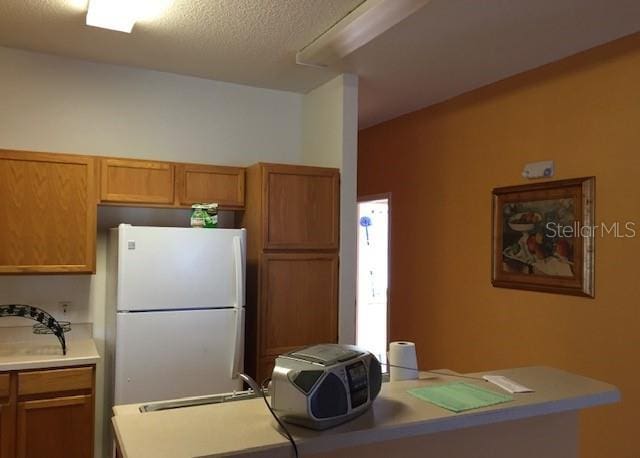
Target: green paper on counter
[[459, 396]]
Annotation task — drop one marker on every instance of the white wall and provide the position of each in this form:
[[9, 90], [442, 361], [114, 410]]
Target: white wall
[[322, 124], [56, 104], [329, 138]]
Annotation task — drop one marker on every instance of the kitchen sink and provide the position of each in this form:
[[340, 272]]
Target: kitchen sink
[[210, 399], [200, 400]]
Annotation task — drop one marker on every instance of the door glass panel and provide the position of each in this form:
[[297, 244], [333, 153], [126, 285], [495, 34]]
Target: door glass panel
[[373, 244]]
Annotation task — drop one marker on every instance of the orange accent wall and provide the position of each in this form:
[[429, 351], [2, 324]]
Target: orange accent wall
[[441, 163]]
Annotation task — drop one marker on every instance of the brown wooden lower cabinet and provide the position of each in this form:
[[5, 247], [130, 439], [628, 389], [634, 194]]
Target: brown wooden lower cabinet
[[47, 413], [7, 417], [55, 428]]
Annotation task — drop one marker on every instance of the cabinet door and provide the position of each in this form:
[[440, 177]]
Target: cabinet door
[[52, 381], [55, 428], [136, 182], [47, 213], [208, 183], [7, 418], [299, 301], [300, 207]]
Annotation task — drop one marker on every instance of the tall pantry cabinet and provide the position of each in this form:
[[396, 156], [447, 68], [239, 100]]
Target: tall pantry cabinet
[[292, 219]]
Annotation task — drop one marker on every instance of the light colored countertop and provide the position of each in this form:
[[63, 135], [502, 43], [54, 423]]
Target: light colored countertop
[[21, 350], [245, 427]]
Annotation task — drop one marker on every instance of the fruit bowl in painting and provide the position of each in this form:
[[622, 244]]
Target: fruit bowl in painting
[[519, 252], [525, 221]]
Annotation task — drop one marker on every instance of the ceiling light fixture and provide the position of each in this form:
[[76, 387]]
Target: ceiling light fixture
[[363, 24], [121, 15]]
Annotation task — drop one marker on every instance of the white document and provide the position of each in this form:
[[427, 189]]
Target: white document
[[507, 384]]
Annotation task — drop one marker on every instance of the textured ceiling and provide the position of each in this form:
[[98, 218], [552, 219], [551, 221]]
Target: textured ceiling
[[453, 46], [447, 48], [243, 41]]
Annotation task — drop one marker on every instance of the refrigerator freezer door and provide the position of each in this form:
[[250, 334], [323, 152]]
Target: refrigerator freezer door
[[166, 355], [162, 268]]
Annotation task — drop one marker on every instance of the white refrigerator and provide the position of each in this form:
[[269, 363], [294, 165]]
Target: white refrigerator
[[175, 319]]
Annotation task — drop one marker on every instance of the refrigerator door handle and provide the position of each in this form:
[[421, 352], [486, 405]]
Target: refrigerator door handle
[[239, 331], [238, 351], [238, 261]]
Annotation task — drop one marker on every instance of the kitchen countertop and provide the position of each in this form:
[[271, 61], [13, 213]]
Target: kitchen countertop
[[20, 350], [245, 427]]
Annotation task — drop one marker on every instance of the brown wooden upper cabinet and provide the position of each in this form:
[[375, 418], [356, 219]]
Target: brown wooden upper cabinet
[[141, 183], [293, 223], [136, 182], [47, 213], [48, 202], [301, 207], [197, 183]]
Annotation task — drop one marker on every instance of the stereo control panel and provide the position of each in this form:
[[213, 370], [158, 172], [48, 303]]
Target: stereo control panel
[[358, 384]]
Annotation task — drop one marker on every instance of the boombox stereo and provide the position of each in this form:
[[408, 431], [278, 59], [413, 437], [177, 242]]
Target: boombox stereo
[[324, 385]]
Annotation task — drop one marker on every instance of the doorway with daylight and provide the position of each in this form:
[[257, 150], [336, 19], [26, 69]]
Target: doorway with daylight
[[372, 321]]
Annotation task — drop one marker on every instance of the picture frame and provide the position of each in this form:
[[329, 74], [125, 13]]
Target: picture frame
[[543, 237]]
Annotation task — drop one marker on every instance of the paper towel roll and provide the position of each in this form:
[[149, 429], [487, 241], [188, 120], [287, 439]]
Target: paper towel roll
[[403, 354]]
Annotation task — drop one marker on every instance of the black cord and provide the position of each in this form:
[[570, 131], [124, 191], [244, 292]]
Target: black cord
[[448, 374], [280, 422], [260, 389]]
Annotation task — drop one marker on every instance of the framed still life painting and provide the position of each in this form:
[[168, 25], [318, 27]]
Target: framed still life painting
[[543, 237]]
